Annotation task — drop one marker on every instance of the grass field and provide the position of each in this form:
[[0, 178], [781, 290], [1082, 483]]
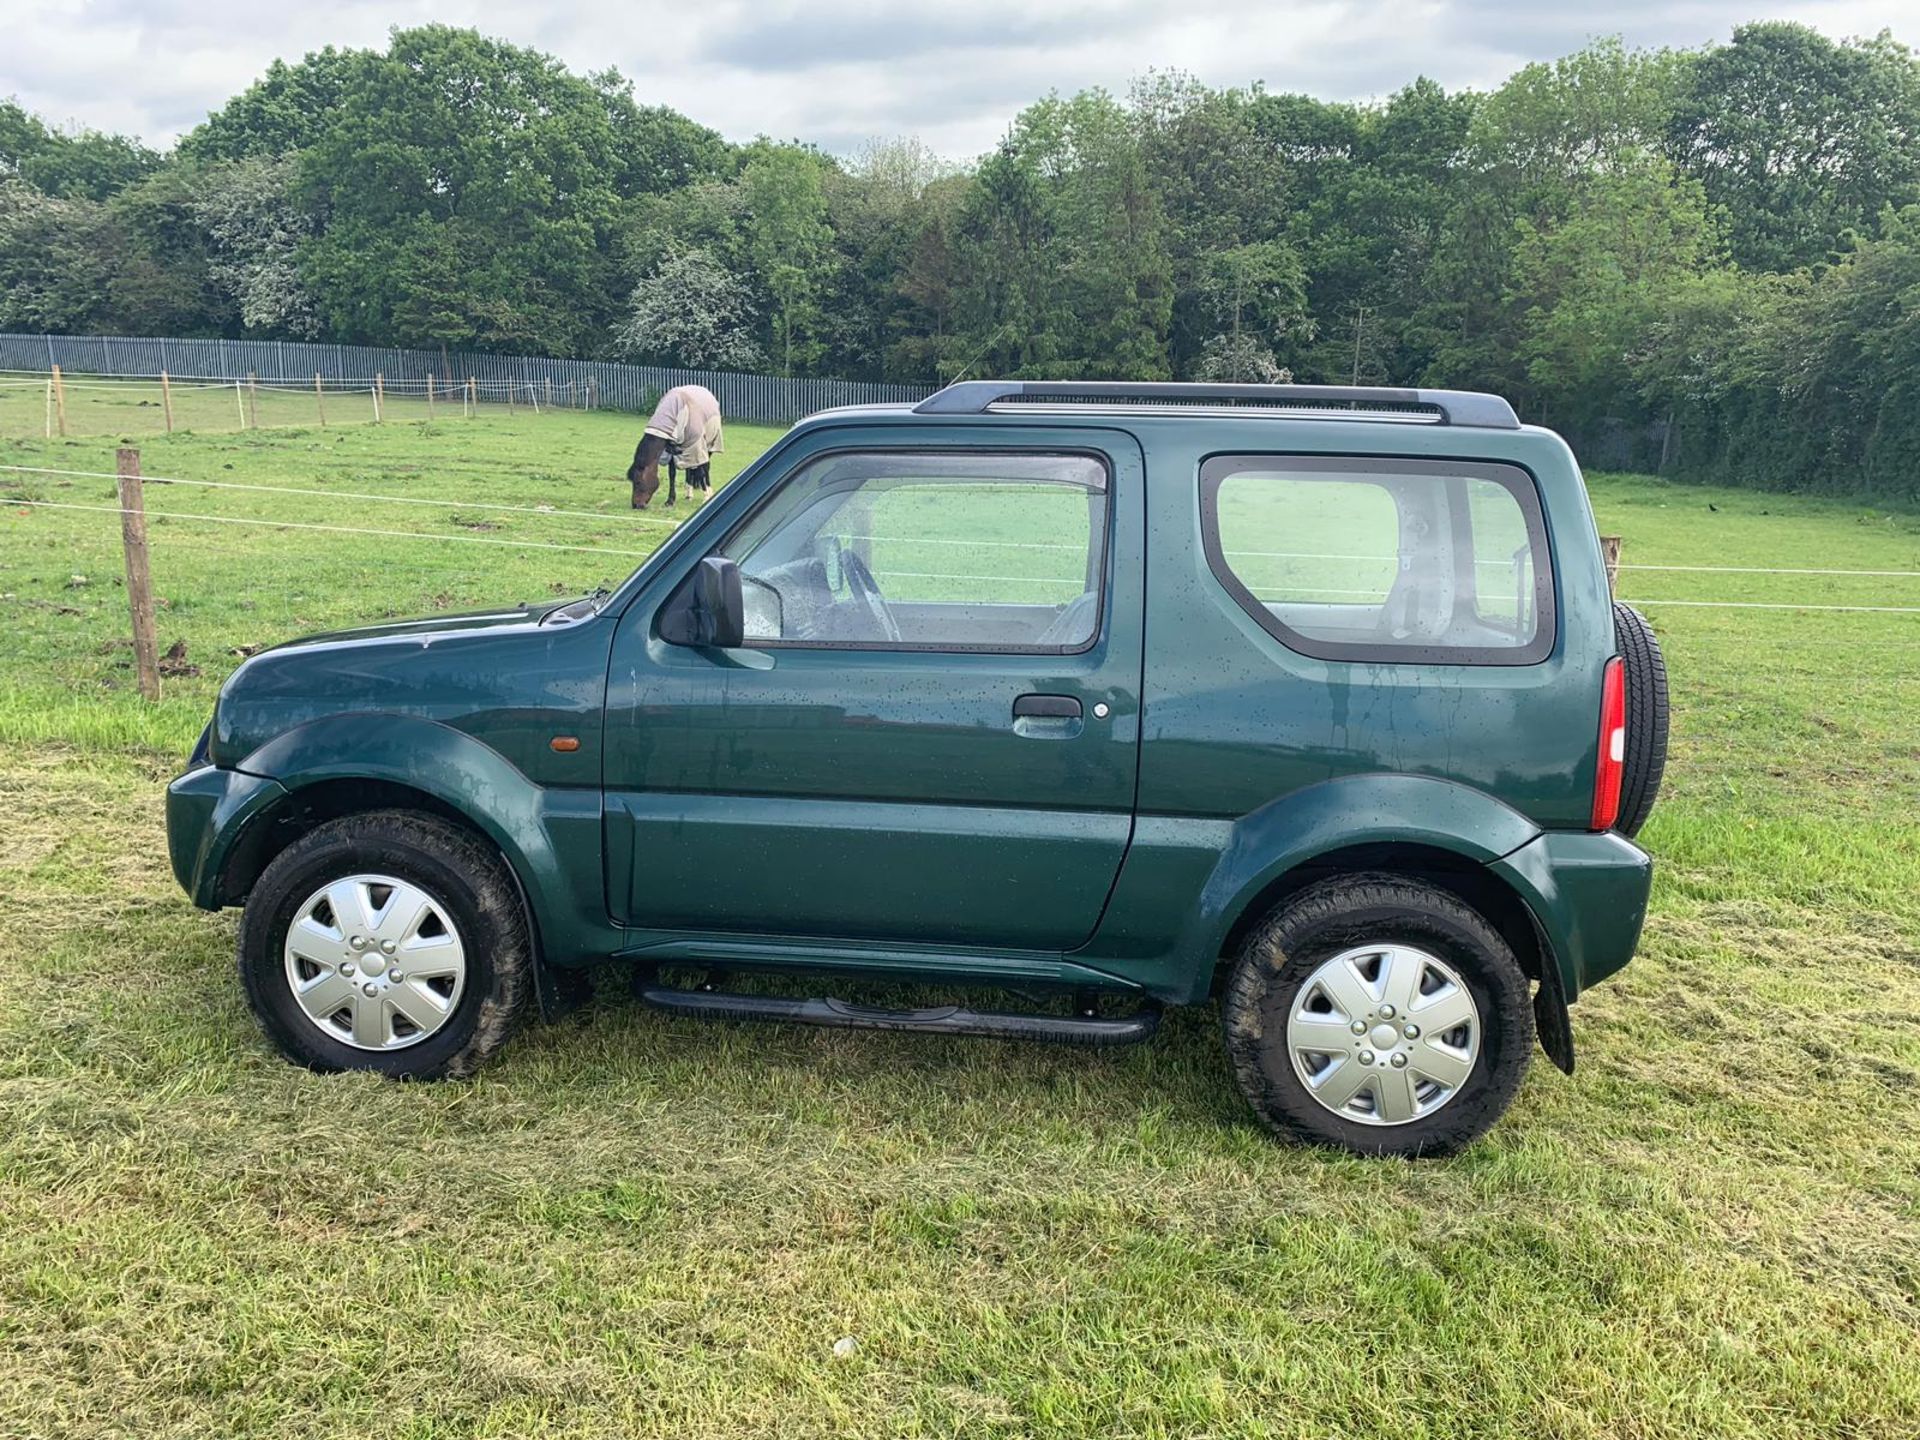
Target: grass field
[[637, 1226]]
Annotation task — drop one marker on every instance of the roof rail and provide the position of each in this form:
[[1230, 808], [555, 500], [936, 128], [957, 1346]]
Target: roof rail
[[1464, 408]]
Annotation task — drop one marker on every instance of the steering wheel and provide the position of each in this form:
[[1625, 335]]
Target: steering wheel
[[863, 587]]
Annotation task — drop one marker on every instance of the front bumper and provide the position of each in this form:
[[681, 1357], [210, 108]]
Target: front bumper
[[208, 809], [1589, 893]]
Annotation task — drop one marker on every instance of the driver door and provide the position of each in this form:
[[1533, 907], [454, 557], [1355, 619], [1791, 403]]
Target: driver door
[[930, 733]]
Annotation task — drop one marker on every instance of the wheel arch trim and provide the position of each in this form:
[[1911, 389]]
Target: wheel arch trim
[[549, 837], [1347, 813]]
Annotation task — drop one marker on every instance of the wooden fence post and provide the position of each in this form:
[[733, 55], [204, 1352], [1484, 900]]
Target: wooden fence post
[[166, 399], [240, 403], [320, 399], [473, 396], [133, 539], [379, 394], [549, 392], [510, 389], [1610, 552], [429, 394], [60, 400], [590, 392], [253, 401]]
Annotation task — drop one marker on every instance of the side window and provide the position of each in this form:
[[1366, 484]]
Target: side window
[[978, 550], [1389, 560]]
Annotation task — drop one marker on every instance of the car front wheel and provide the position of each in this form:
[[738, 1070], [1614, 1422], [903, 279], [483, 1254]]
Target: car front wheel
[[390, 941], [1379, 1014]]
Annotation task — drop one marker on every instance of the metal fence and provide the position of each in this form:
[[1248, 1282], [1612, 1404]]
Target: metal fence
[[616, 387]]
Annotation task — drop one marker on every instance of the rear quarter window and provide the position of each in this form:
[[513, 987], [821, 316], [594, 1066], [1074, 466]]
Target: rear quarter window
[[1441, 562]]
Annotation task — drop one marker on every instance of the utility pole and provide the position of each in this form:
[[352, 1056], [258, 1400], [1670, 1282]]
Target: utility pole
[[1359, 324]]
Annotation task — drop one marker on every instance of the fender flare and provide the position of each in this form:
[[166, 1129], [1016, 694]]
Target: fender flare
[[566, 901], [1341, 814]]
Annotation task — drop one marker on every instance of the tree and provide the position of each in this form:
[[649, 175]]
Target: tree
[[1258, 295], [656, 151], [69, 165], [877, 210], [162, 281], [465, 193], [1240, 360], [1060, 250], [928, 284], [1554, 123], [788, 238], [1221, 181], [286, 110], [255, 228], [1800, 139], [1006, 296], [57, 260], [131, 265], [690, 312], [1590, 288], [1530, 153], [21, 136]]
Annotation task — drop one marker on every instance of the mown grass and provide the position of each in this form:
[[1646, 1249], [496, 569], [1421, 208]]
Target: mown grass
[[225, 587], [635, 1226]]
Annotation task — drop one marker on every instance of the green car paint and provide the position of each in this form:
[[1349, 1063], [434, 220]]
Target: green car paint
[[879, 809]]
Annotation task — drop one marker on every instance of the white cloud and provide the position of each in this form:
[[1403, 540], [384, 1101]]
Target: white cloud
[[838, 71]]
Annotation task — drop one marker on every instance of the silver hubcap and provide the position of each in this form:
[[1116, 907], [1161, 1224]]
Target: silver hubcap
[[1384, 1034], [375, 962]]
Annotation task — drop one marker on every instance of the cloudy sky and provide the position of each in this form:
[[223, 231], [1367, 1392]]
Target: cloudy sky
[[839, 71]]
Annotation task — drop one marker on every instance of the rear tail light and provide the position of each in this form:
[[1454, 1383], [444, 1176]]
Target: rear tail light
[[1613, 745]]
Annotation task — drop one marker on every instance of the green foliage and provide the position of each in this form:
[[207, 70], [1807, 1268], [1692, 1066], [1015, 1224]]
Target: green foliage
[[1802, 140], [787, 238], [289, 108], [1670, 255], [692, 311], [1814, 383], [468, 197], [56, 261], [656, 151], [1596, 282], [1257, 298], [254, 226], [76, 165], [1063, 267]]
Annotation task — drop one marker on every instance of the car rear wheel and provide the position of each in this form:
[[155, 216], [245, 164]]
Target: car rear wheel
[[1379, 1014], [391, 941]]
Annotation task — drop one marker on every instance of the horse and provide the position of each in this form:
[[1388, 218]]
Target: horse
[[644, 474], [685, 431]]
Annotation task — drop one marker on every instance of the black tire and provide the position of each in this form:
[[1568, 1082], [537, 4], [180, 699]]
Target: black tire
[[1364, 909], [462, 873], [1647, 717]]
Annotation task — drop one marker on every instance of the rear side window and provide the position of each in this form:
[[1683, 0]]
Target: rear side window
[[1443, 562]]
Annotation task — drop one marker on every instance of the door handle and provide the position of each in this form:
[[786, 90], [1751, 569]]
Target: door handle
[[1046, 707]]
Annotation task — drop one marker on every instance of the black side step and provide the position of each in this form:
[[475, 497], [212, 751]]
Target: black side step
[[931, 1020]]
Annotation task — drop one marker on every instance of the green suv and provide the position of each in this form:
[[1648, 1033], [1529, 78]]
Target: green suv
[[1108, 696]]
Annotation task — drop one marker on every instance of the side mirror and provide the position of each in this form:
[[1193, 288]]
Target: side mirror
[[707, 609]]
